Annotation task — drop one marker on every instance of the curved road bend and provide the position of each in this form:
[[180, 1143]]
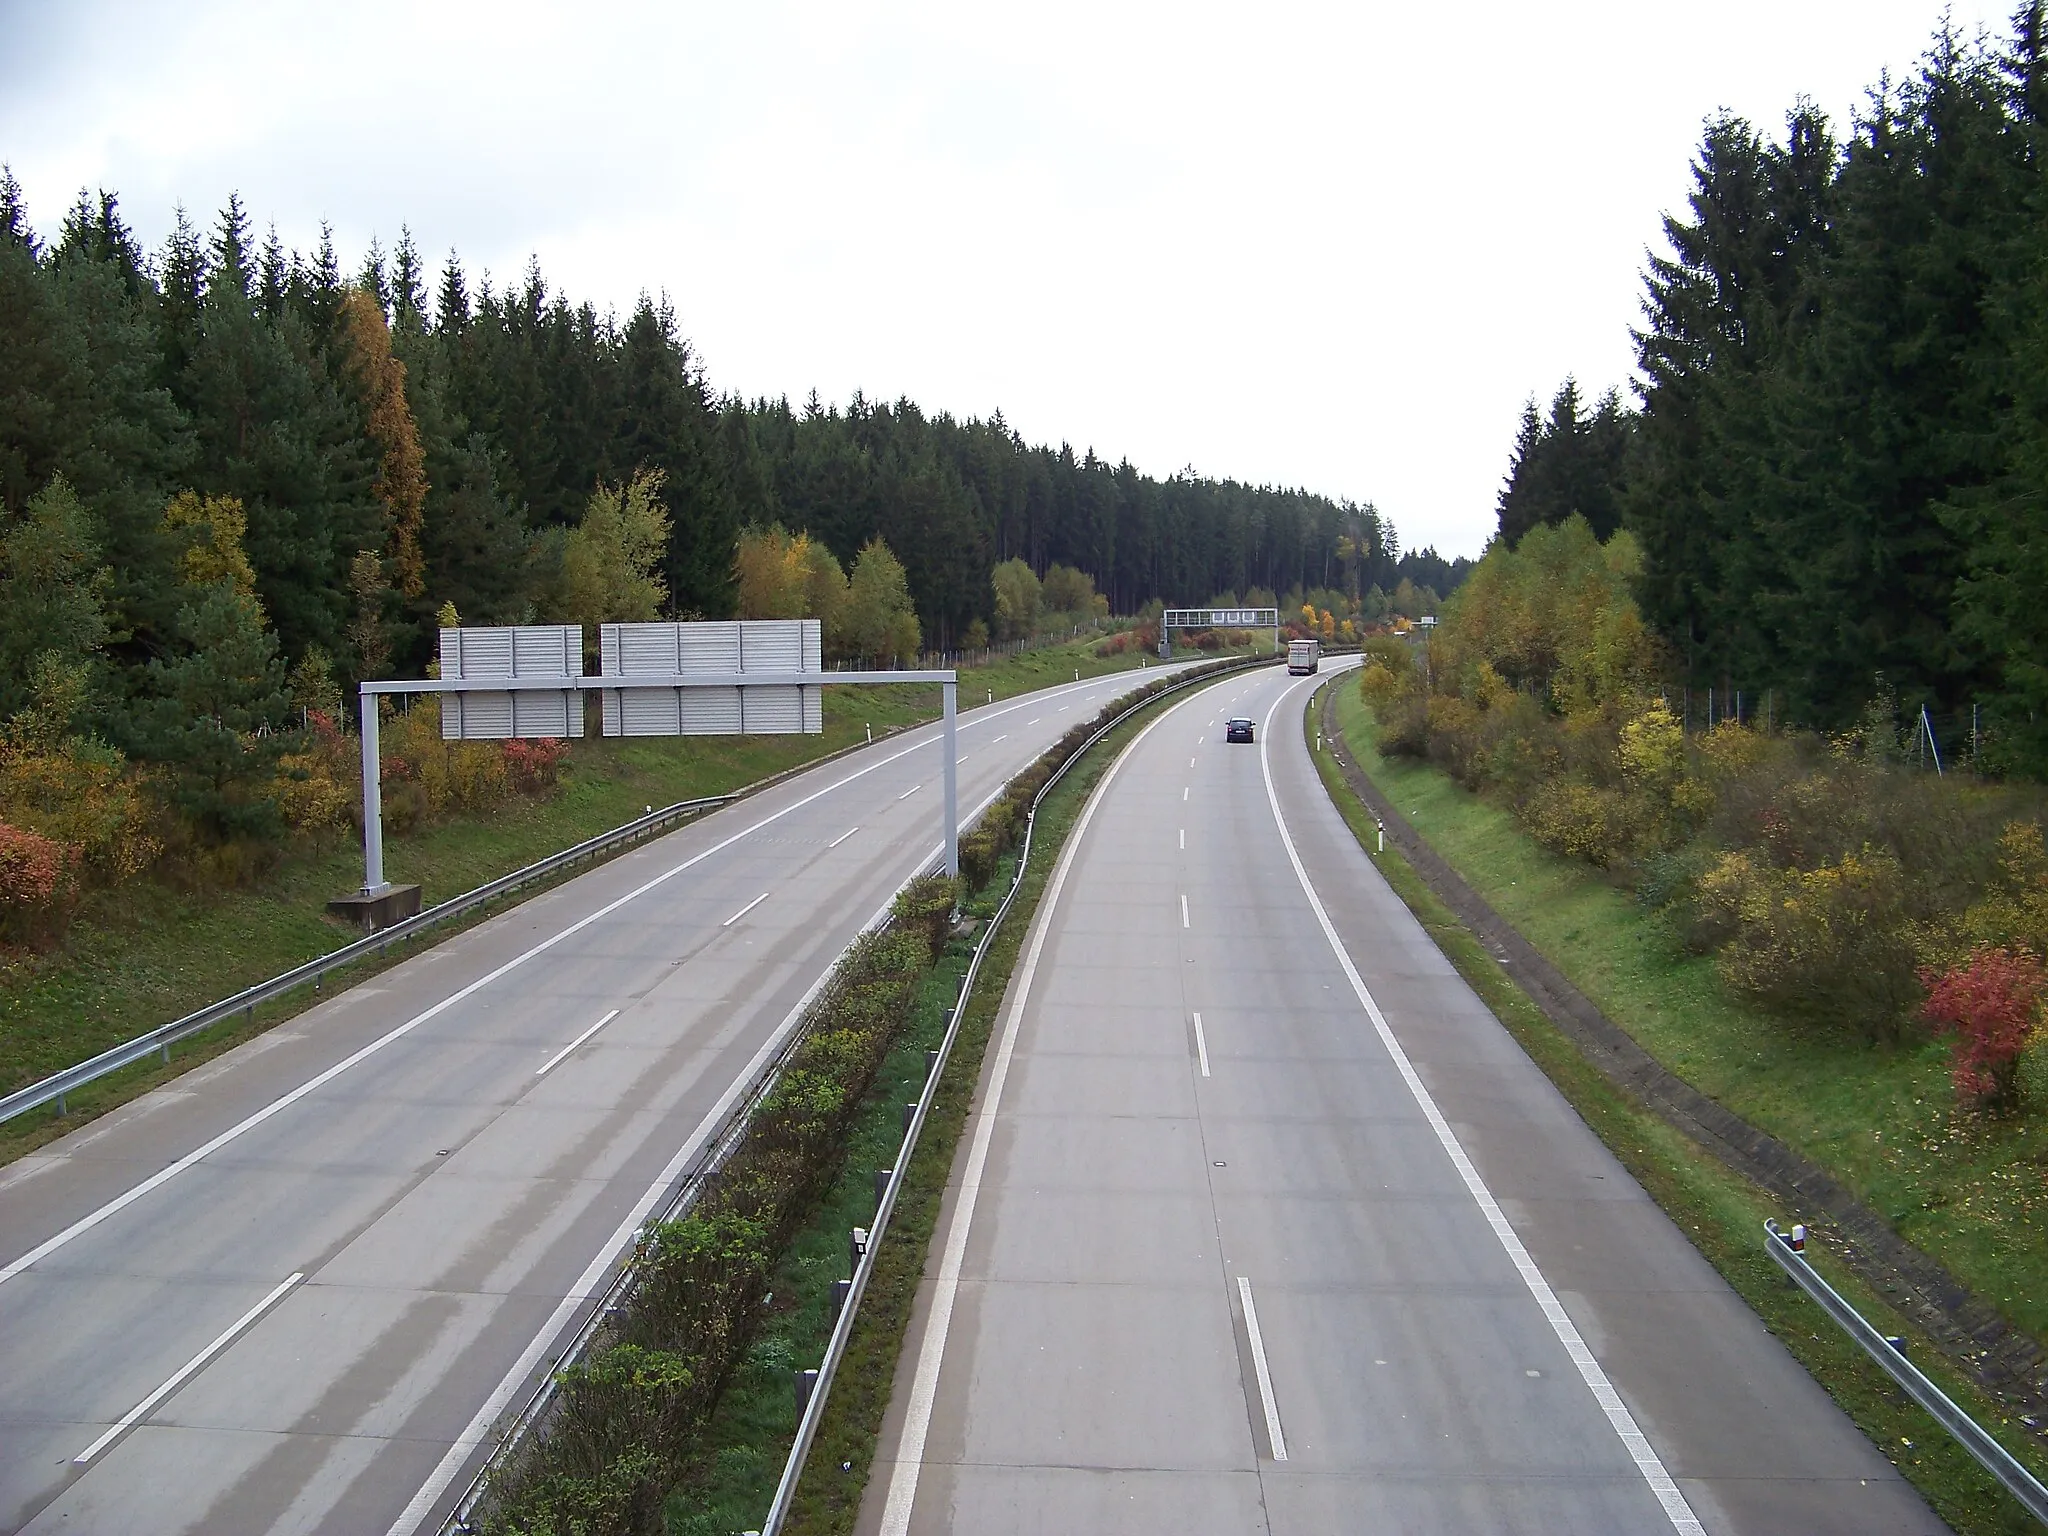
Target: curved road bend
[[289, 1291], [1267, 1225]]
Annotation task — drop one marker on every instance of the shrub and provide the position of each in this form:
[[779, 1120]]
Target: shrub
[[1582, 821], [925, 907], [1988, 1007], [84, 795], [535, 766], [38, 881], [1831, 945]]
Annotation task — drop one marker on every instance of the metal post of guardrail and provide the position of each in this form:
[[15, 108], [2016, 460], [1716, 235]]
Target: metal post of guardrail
[[1890, 1356]]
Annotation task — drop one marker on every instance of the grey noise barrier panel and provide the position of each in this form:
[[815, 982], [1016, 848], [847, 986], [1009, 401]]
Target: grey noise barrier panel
[[842, 1328], [1891, 1357]]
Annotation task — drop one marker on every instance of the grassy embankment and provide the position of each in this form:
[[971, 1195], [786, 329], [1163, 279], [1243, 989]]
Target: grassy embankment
[[147, 953], [730, 1488], [1967, 1189]]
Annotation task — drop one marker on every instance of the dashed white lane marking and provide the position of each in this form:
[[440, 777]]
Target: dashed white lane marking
[[842, 837], [1258, 1343], [910, 791], [320, 1079], [931, 1349], [743, 911], [1183, 839], [562, 1055], [1680, 1514], [1034, 720], [1183, 796], [1201, 1046], [1004, 737], [1183, 910], [185, 1371]]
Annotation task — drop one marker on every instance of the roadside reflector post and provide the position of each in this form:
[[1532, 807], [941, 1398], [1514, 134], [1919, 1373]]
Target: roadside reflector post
[[806, 1384], [882, 1177], [855, 1248], [840, 1291], [1798, 1237]]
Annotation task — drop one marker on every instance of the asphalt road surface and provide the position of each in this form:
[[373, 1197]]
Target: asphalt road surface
[[1263, 1223], [292, 1290]]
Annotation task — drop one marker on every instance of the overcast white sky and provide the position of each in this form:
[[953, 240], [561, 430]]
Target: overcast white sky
[[1332, 246]]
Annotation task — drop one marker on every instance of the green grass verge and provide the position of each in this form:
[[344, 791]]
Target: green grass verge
[[756, 1420], [1720, 1212], [148, 953]]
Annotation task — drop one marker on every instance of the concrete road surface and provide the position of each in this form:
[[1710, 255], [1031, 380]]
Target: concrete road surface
[[292, 1290], [1263, 1223]]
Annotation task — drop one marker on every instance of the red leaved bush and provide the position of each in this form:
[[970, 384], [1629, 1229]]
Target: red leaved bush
[[534, 765], [1988, 1006], [37, 881]]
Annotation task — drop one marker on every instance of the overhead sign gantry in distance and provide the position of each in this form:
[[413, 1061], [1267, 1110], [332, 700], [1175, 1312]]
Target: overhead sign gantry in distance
[[1216, 618]]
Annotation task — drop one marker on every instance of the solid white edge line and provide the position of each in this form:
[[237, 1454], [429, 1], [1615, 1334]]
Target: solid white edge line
[[1660, 1482], [1258, 1343], [842, 837], [561, 1055], [743, 911], [225, 1338], [165, 1174], [494, 1406], [931, 1348], [479, 1426], [1201, 1046]]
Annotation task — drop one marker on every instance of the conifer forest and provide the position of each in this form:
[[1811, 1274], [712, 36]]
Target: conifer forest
[[1836, 467], [236, 478]]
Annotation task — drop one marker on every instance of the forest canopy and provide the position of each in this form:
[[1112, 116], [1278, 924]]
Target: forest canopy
[[1836, 469]]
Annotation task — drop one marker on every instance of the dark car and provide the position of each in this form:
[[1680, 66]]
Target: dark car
[[1237, 730]]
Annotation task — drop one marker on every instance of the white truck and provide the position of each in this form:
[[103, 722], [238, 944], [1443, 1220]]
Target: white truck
[[1304, 656]]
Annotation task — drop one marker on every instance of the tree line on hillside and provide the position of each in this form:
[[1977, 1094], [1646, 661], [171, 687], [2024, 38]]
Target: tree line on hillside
[[235, 479], [456, 431], [1837, 470]]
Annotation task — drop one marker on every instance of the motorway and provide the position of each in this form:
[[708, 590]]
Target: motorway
[[1264, 1224], [293, 1289]]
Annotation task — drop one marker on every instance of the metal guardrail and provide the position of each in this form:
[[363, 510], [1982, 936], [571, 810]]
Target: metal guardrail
[[1890, 1354], [726, 1138], [842, 1327], [158, 1042], [719, 1146]]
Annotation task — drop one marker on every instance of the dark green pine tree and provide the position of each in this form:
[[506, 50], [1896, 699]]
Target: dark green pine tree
[[206, 717], [1708, 332], [1883, 420], [136, 449], [2003, 526], [667, 422], [276, 431]]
